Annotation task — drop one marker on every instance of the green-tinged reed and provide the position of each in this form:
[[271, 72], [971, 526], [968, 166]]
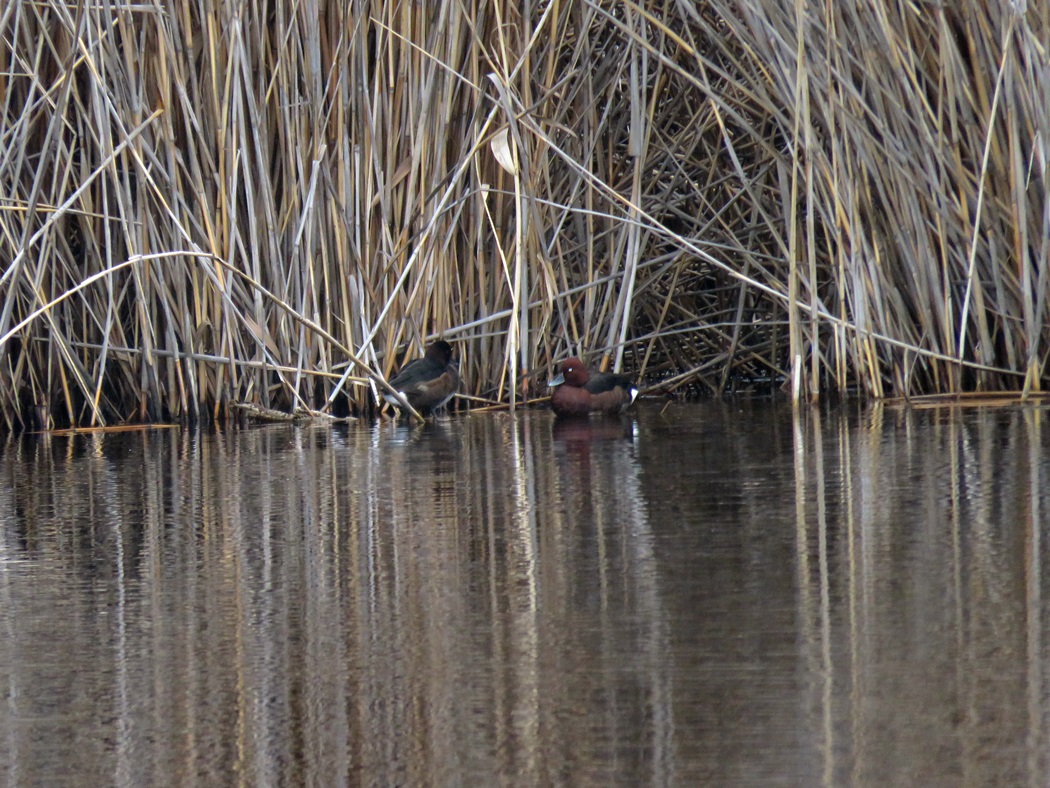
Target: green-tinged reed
[[205, 203]]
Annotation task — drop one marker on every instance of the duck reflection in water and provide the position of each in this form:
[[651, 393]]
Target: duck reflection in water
[[579, 392], [578, 433], [429, 382]]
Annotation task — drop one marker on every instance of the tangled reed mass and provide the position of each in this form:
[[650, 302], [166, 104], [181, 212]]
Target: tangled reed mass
[[276, 202]]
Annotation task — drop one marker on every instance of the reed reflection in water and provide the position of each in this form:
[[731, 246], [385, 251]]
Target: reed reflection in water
[[705, 594]]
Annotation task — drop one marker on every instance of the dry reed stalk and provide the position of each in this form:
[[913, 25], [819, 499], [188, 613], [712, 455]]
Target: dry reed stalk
[[685, 179]]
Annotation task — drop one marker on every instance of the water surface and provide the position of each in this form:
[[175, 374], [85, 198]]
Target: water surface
[[712, 594]]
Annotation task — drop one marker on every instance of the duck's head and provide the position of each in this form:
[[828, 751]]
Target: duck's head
[[572, 371], [441, 352]]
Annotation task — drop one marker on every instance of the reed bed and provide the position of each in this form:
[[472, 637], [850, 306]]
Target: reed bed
[[210, 203]]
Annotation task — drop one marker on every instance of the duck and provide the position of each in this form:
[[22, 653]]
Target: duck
[[579, 392], [429, 382]]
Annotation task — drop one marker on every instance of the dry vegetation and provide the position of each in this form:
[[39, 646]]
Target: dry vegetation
[[204, 203]]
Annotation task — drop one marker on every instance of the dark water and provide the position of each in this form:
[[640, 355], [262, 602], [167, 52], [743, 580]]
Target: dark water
[[709, 595]]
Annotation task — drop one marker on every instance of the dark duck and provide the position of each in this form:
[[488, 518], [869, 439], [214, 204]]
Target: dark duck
[[578, 392], [429, 382]]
